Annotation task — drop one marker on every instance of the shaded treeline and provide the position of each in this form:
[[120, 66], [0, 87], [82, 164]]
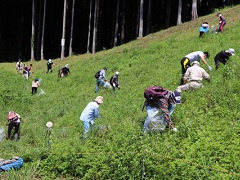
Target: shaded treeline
[[116, 22]]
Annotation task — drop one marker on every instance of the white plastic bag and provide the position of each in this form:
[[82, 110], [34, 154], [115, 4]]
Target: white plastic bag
[[2, 134], [107, 85]]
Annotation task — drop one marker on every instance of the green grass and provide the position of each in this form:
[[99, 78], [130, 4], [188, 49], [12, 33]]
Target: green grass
[[206, 145]]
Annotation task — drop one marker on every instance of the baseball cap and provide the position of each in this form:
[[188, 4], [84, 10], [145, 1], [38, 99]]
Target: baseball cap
[[176, 97], [99, 99], [231, 51]]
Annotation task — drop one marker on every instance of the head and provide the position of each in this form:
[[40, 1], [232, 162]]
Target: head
[[196, 63], [117, 73], [30, 64], [231, 51], [105, 68], [10, 112], [36, 79], [206, 54], [176, 96], [99, 99], [219, 14], [66, 66], [49, 60]]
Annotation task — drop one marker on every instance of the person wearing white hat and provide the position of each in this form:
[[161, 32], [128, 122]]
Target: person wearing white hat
[[90, 113], [223, 56], [193, 77], [114, 81], [49, 66]]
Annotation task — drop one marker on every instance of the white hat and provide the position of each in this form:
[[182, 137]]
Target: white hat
[[117, 73], [99, 99], [231, 51], [49, 124], [195, 62], [49, 60], [66, 65]]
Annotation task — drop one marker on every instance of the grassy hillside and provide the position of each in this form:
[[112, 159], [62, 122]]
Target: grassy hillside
[[206, 145]]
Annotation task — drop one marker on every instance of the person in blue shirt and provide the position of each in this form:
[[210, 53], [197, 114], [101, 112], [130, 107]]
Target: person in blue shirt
[[101, 79], [204, 29], [90, 113]]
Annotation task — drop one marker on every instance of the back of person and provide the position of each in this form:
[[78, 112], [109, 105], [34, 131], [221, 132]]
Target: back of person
[[196, 73]]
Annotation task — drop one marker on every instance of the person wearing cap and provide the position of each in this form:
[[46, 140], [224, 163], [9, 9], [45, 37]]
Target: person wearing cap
[[90, 113], [49, 66], [114, 81], [223, 56], [189, 58], [13, 124], [203, 29], [64, 71], [193, 77], [101, 79], [35, 85], [165, 106], [222, 21]]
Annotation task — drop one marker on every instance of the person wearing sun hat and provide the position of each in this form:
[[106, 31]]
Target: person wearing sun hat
[[90, 113], [114, 81], [223, 56], [194, 76], [159, 112]]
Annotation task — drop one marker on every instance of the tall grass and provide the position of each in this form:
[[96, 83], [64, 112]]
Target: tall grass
[[205, 147]]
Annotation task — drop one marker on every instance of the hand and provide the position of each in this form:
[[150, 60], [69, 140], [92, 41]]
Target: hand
[[174, 129], [209, 68]]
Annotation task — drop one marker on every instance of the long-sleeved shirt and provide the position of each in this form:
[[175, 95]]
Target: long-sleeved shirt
[[196, 73], [222, 57], [102, 74], [90, 112]]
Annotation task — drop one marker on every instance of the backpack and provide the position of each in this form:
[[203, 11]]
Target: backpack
[[12, 117], [97, 75], [154, 93]]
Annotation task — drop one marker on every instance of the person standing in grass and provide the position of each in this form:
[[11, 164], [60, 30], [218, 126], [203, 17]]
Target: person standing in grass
[[100, 80], [189, 58], [29, 69], [90, 113], [222, 22], [114, 81], [49, 66], [223, 56], [35, 85], [25, 72], [194, 76], [159, 111], [14, 120], [19, 66]]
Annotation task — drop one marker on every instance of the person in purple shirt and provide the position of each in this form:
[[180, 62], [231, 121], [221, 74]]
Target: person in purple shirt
[[90, 113], [222, 22]]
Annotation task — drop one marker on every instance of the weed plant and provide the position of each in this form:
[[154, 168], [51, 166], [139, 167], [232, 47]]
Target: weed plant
[[206, 145]]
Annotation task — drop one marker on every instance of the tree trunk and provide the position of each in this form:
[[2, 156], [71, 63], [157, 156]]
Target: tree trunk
[[141, 19], [33, 29], [95, 27], [71, 35], [63, 30], [168, 16], [43, 30], [179, 17], [149, 24], [194, 10], [123, 23], [89, 26], [116, 25]]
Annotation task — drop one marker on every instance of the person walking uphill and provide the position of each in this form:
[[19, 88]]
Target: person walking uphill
[[14, 120], [194, 76], [90, 113], [114, 81], [194, 56], [223, 56], [35, 85], [160, 100], [49, 66], [222, 22], [100, 78]]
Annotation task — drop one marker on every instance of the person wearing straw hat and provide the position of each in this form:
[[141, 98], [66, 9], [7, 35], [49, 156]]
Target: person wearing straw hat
[[90, 113], [194, 76], [223, 56]]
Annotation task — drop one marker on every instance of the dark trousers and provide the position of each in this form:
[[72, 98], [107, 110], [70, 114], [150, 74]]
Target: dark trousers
[[34, 90], [185, 63], [218, 61], [16, 126]]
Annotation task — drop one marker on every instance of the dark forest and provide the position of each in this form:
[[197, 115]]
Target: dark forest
[[116, 22]]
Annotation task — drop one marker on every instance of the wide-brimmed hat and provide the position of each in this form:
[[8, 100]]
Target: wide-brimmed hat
[[176, 97], [196, 62], [99, 99], [231, 51]]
